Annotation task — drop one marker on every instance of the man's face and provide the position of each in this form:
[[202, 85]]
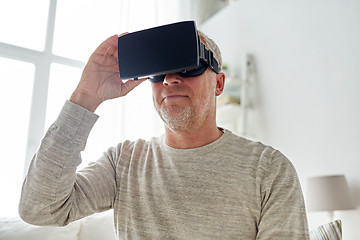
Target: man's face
[[183, 103]]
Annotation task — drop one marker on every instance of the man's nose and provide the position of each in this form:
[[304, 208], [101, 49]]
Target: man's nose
[[172, 79]]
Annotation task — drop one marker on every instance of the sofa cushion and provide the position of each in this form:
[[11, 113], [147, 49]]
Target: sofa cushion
[[98, 226], [329, 231], [17, 229]]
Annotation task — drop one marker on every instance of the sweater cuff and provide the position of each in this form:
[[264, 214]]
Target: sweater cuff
[[75, 123]]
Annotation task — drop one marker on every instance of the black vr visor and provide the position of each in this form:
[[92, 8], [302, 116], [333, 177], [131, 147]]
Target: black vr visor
[[155, 52]]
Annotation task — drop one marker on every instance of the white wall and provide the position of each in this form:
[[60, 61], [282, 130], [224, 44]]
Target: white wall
[[307, 101]]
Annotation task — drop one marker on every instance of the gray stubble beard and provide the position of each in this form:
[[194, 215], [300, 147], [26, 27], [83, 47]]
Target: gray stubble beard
[[177, 118]]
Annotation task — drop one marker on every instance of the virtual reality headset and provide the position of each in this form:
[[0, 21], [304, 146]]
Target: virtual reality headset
[[155, 52]]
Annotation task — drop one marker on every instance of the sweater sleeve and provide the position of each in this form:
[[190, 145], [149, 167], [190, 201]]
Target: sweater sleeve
[[283, 214], [53, 193]]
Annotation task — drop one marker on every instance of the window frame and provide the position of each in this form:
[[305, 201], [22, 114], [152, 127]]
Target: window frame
[[42, 61]]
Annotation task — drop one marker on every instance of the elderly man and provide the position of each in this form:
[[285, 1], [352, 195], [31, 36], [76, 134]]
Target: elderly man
[[197, 181]]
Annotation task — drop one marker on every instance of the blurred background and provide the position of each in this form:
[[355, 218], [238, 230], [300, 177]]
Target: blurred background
[[292, 73]]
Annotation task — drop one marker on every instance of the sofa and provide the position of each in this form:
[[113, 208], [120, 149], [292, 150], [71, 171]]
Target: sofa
[[100, 226], [95, 227]]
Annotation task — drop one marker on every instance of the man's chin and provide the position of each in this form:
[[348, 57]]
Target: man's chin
[[177, 117]]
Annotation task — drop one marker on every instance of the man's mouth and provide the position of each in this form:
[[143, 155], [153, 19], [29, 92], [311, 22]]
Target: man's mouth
[[174, 96]]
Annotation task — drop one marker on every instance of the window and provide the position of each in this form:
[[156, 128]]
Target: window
[[23, 23], [63, 80], [81, 25], [43, 48], [17, 82]]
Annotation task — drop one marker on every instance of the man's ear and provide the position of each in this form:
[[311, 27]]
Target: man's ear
[[220, 83]]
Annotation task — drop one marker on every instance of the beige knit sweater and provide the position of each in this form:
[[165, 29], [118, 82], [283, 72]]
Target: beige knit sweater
[[232, 188]]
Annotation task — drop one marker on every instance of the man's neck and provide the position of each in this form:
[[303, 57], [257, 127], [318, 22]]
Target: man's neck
[[191, 138]]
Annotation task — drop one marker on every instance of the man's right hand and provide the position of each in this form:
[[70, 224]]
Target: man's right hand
[[100, 79]]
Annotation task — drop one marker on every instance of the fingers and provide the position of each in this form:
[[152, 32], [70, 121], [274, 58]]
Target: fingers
[[109, 46]]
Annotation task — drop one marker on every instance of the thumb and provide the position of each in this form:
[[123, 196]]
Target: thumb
[[129, 85]]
